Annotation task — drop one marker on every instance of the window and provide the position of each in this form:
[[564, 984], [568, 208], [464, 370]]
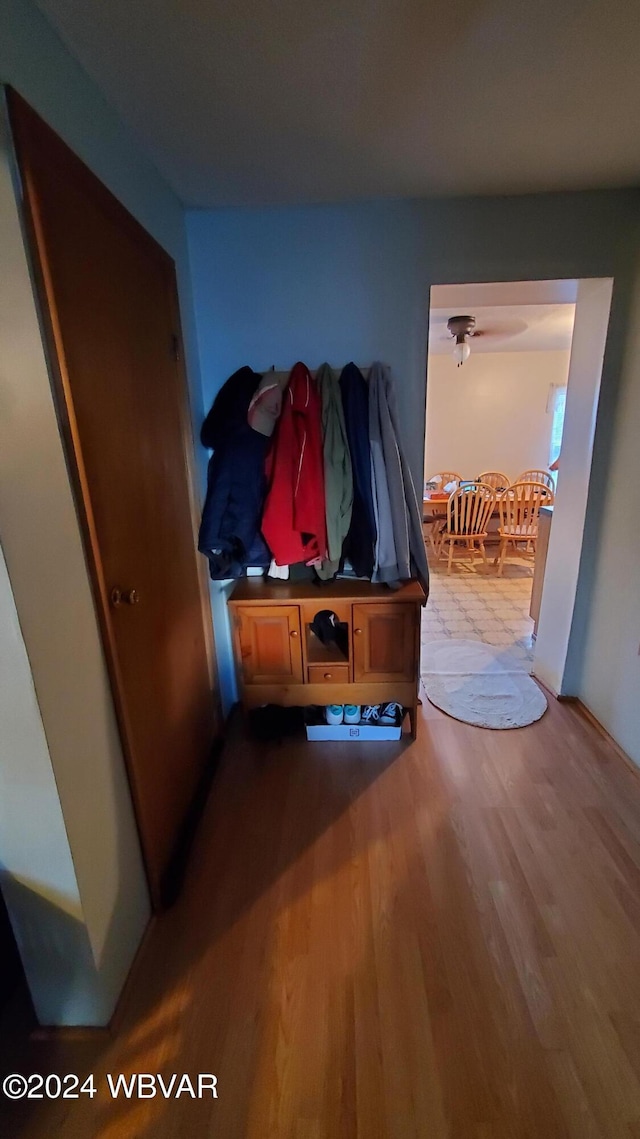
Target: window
[[558, 403]]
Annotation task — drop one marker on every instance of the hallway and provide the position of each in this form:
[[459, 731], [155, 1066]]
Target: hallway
[[438, 939]]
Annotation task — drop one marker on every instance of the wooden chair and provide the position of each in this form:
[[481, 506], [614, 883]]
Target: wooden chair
[[445, 477], [537, 476], [497, 479], [431, 527], [519, 510], [468, 512]]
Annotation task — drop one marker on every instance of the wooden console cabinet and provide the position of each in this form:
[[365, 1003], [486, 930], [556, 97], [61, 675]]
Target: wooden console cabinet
[[281, 661]]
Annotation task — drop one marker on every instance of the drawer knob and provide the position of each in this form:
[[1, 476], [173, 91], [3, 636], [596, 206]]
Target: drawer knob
[[358, 632], [327, 676], [293, 633]]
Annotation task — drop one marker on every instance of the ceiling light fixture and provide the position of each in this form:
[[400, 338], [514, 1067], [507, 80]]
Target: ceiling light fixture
[[461, 328]]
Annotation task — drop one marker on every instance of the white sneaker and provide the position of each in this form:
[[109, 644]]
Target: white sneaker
[[334, 713], [371, 714], [391, 714], [352, 713]]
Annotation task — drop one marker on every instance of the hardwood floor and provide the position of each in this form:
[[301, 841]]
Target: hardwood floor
[[439, 939]]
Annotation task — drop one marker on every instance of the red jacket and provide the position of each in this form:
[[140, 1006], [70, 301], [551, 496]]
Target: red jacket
[[293, 522]]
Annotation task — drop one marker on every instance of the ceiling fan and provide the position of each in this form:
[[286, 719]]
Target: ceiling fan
[[462, 328]]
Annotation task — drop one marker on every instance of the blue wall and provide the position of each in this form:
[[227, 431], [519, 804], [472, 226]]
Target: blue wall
[[352, 282], [336, 283], [275, 286]]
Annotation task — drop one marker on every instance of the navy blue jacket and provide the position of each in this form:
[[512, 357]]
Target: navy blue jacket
[[230, 528], [359, 544]]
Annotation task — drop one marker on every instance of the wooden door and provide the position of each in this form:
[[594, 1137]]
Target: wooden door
[[269, 639], [108, 297], [384, 642]]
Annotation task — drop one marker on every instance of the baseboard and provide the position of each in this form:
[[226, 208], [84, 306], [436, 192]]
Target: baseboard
[[546, 687], [174, 875], [131, 978], [70, 1034], [559, 696], [588, 715]]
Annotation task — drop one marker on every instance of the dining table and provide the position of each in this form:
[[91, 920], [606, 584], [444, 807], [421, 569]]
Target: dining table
[[434, 513], [434, 507]]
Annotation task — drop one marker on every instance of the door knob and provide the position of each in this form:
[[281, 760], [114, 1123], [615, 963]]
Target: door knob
[[358, 632], [124, 597], [293, 633]]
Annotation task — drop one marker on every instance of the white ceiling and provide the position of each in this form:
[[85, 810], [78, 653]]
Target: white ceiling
[[242, 101], [512, 316], [507, 328], [493, 293]]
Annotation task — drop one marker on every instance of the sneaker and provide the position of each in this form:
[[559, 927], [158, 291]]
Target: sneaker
[[352, 713], [334, 713], [371, 713], [391, 714]]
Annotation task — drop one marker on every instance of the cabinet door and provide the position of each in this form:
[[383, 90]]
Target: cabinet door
[[269, 641], [384, 642]]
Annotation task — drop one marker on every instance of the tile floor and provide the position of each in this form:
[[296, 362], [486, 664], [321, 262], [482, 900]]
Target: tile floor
[[474, 604]]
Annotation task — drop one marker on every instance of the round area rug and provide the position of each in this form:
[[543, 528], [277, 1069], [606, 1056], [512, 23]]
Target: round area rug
[[479, 684]]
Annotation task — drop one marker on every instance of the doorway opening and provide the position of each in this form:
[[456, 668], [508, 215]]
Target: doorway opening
[[506, 387]]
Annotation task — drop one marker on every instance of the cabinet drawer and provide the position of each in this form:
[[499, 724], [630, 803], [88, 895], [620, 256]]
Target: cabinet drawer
[[329, 674]]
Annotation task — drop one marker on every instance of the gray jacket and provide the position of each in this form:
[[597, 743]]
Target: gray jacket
[[400, 552]]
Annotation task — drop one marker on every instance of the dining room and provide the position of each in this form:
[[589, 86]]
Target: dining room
[[498, 366]]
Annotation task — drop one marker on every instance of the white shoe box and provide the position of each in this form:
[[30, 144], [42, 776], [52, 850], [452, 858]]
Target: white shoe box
[[353, 732]]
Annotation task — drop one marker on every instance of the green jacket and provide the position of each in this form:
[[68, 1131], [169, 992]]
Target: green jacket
[[338, 479]]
